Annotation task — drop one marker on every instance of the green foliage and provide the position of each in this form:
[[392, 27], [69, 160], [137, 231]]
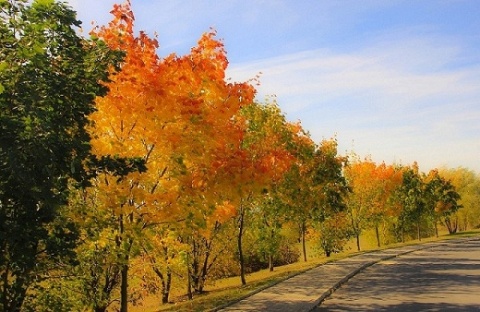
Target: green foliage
[[442, 201], [117, 166], [56, 294], [328, 175], [49, 78], [413, 200], [272, 247]]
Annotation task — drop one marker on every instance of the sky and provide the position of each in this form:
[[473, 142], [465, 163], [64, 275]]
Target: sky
[[397, 81]]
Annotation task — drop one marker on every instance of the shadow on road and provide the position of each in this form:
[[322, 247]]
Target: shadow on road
[[444, 278]]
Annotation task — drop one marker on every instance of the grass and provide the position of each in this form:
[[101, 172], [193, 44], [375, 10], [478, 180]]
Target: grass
[[229, 290]]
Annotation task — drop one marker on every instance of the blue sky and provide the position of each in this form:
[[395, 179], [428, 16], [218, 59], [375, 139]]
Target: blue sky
[[397, 80]]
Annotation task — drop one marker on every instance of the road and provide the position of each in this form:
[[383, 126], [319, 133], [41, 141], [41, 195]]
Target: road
[[441, 278]]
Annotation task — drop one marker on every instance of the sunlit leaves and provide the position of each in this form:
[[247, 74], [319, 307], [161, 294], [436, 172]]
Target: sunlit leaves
[[371, 202]]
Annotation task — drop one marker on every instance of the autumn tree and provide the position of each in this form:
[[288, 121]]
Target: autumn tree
[[299, 187], [333, 233], [49, 77], [315, 188], [361, 177], [372, 198], [205, 246], [389, 180], [179, 115], [300, 202], [467, 184], [270, 217]]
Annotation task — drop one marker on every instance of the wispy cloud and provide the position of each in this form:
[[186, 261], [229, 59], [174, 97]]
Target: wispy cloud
[[394, 79], [397, 100]]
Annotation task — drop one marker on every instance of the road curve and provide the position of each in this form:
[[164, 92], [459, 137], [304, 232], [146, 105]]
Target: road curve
[[443, 277]]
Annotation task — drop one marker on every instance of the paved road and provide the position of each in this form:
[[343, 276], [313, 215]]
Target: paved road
[[305, 291], [439, 278]]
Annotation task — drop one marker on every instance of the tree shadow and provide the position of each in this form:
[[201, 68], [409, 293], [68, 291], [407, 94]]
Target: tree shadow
[[428, 280]]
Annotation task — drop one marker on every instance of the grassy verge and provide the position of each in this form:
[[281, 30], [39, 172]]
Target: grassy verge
[[229, 290]]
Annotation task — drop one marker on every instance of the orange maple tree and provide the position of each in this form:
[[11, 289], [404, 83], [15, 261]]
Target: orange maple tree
[[176, 113]]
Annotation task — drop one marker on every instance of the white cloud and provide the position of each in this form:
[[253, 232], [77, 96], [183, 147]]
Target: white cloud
[[398, 101], [399, 91]]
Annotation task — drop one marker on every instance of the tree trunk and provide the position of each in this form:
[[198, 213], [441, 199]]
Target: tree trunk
[[451, 226], [270, 262], [125, 264], [124, 289], [357, 236], [357, 233], [205, 266], [377, 234], [419, 237], [189, 279], [239, 245], [166, 287], [195, 267], [304, 247], [384, 233], [456, 226]]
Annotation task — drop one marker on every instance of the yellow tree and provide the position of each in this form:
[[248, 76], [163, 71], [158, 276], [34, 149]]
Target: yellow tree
[[467, 184], [389, 180], [124, 126], [361, 177], [371, 200]]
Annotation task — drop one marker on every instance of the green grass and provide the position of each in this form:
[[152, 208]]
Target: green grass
[[230, 290]]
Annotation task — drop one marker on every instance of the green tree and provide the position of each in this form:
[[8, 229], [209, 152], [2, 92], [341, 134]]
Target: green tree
[[257, 163], [49, 77], [299, 188], [413, 199], [328, 214], [442, 201], [270, 218]]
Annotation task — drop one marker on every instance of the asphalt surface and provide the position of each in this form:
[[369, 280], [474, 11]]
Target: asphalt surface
[[441, 278], [308, 291]]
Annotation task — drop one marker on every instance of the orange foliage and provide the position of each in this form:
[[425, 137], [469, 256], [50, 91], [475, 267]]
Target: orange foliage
[[373, 184], [178, 113]]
